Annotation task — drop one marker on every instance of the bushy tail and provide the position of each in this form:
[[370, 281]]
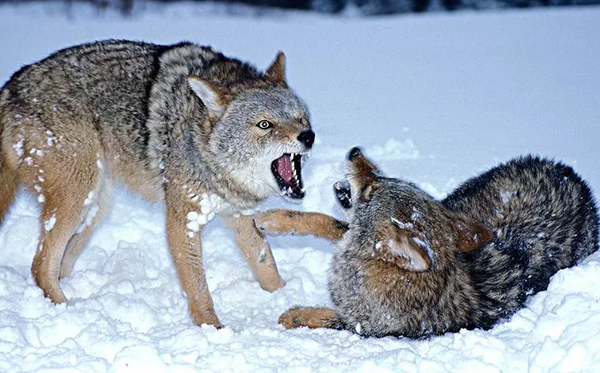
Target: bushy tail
[[8, 187], [8, 179]]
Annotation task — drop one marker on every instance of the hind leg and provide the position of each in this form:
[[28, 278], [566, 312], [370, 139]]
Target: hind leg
[[60, 218], [62, 192], [97, 207]]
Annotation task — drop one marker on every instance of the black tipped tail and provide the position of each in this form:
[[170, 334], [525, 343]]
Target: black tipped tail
[[8, 188]]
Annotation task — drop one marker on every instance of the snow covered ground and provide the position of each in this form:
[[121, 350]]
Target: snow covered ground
[[435, 99]]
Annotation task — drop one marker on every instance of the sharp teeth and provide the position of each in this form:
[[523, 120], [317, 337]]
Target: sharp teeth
[[295, 170]]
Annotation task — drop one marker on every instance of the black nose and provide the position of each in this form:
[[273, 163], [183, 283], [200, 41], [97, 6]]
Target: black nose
[[307, 138], [354, 152]]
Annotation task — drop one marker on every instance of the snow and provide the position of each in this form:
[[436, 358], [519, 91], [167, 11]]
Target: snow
[[89, 199], [434, 99], [49, 224], [210, 204]]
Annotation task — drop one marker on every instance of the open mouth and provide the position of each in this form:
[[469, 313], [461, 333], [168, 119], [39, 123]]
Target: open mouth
[[343, 193], [287, 171]]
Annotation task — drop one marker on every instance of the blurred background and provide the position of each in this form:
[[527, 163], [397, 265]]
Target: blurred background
[[359, 7]]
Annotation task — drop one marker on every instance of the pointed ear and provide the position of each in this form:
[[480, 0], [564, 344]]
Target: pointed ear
[[366, 193], [397, 243], [276, 72], [471, 234], [208, 93], [364, 173]]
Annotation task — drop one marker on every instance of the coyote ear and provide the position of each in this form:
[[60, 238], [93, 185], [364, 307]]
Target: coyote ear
[[207, 92], [471, 234], [397, 243], [276, 72]]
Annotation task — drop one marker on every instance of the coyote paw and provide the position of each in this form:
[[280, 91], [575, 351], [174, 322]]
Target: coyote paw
[[210, 319], [293, 318], [217, 325], [272, 284], [312, 317]]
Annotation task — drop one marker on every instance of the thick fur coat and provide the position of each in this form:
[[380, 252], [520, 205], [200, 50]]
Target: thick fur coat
[[409, 265], [184, 124]]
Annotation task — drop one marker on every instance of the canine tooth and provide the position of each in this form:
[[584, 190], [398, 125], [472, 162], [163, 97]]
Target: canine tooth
[[294, 173]]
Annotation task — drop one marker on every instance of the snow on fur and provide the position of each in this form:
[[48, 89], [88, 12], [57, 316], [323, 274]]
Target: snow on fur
[[433, 99]]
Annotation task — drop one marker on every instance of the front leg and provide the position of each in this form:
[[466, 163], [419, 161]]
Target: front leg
[[301, 223], [311, 317], [257, 252], [185, 222]]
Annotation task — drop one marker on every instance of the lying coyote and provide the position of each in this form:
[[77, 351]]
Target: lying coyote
[[408, 265]]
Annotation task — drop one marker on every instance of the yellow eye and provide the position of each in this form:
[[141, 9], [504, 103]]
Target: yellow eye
[[264, 124]]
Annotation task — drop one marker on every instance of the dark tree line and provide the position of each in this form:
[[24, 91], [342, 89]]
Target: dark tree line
[[365, 7]]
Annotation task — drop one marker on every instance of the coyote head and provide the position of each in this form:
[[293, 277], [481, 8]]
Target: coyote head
[[400, 222], [259, 132]]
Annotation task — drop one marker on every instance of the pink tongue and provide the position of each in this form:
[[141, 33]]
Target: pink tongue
[[284, 168]]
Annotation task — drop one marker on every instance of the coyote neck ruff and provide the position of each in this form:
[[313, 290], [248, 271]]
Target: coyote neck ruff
[[182, 124], [243, 167]]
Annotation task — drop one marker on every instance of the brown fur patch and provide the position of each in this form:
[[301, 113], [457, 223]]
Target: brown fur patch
[[363, 173], [276, 72], [311, 317], [301, 223], [257, 252], [472, 235]]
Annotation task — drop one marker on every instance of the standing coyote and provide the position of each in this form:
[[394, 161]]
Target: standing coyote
[[183, 124], [409, 265]]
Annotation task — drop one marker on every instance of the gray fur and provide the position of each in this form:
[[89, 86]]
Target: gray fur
[[541, 215], [138, 98], [176, 123]]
